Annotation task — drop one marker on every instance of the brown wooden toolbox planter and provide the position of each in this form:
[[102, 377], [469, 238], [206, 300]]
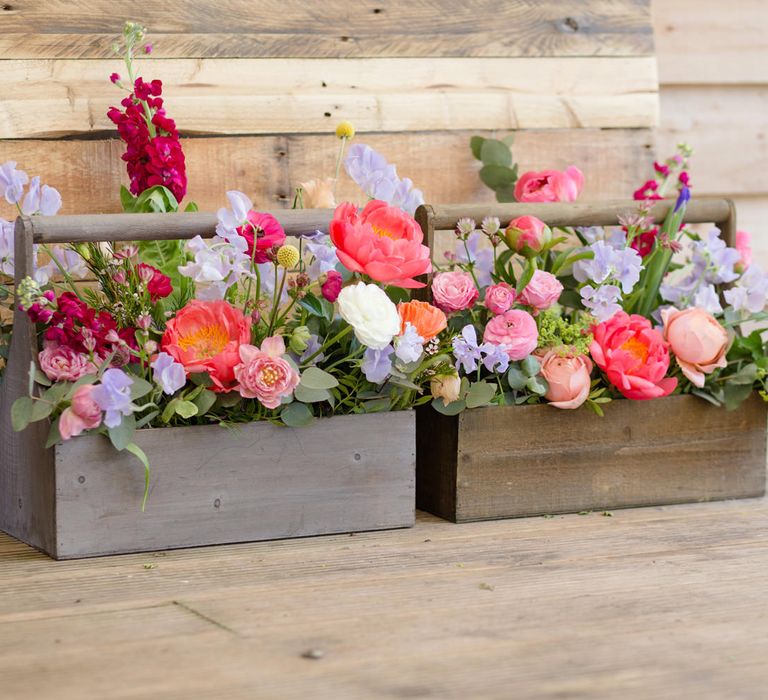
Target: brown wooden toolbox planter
[[512, 461], [209, 485]]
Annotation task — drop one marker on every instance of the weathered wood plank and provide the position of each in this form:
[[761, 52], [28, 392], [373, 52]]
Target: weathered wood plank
[[708, 42], [337, 29], [89, 173], [260, 96]]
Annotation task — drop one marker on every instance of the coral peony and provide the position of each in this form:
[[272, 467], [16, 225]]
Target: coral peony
[[428, 320], [454, 291], [371, 314], [527, 232], [550, 185], [633, 355], [60, 363], [264, 231], [205, 336], [332, 286], [542, 291], [568, 378], [264, 374], [515, 330], [83, 414], [499, 297], [382, 242], [698, 341]]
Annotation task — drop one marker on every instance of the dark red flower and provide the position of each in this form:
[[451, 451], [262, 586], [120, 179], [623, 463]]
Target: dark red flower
[[332, 286], [158, 285], [643, 243], [648, 191]]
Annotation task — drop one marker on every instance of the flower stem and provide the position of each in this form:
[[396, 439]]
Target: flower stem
[[344, 331], [338, 164]]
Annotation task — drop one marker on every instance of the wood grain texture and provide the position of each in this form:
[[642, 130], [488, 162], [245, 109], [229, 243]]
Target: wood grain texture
[[335, 29], [260, 96], [708, 42], [679, 449], [268, 168], [662, 602]]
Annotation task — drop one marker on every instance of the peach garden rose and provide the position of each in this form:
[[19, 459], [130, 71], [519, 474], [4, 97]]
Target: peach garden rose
[[568, 377]]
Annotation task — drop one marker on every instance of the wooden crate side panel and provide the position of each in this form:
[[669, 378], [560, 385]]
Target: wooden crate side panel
[[436, 450], [530, 460], [210, 485], [337, 28]]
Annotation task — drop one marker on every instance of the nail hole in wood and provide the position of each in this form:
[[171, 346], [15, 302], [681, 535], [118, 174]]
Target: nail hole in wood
[[571, 23], [7, 8], [217, 503], [344, 38], [357, 456], [81, 479], [377, 10], [21, 503], [326, 114]]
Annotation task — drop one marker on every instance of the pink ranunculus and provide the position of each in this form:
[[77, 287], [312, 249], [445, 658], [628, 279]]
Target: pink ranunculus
[[550, 185], [264, 374], [542, 291], [516, 330], [743, 245], [83, 414], [698, 341], [382, 242], [568, 377], [332, 286], [262, 231], [61, 363], [527, 232], [633, 355], [454, 291], [499, 297]]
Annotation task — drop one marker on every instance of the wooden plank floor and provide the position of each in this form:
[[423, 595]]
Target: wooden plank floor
[[648, 603]]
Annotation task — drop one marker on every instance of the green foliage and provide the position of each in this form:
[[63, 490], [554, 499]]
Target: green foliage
[[499, 172], [556, 331]]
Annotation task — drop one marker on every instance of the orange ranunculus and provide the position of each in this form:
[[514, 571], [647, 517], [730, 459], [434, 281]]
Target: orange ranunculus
[[428, 320], [382, 242], [205, 336]]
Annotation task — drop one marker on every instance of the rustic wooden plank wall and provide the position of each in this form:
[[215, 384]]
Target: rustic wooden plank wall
[[257, 88], [713, 70]]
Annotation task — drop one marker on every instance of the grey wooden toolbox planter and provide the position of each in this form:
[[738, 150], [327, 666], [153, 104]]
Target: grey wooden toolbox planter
[[209, 485], [512, 461]]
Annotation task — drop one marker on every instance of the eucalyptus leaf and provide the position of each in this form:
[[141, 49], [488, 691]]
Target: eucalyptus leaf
[[476, 144], [480, 394], [201, 379], [530, 366], [316, 378], [140, 387], [21, 412], [204, 400], [54, 436], [452, 409], [495, 176], [377, 405], [40, 409], [40, 377], [735, 395], [746, 375], [185, 409], [516, 378], [296, 415], [506, 193], [122, 434], [537, 385], [494, 152], [307, 395]]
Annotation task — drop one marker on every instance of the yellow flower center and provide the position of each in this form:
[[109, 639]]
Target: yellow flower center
[[637, 349], [206, 341], [382, 232], [269, 375]]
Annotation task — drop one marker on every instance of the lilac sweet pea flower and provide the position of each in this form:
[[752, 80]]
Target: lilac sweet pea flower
[[230, 220], [495, 358], [68, 260], [751, 291], [313, 345], [43, 199], [377, 364], [481, 257], [325, 258], [168, 373], [409, 345], [601, 301], [713, 260], [706, 298], [12, 182], [615, 237], [610, 265], [466, 350], [113, 396], [216, 267], [7, 254]]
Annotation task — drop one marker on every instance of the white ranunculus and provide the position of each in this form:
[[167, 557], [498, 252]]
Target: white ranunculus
[[371, 314]]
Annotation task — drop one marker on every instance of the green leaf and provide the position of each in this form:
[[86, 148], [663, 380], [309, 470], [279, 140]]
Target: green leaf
[[377, 405], [204, 400], [127, 200], [40, 410], [185, 409], [21, 412], [480, 394], [147, 419], [525, 278], [121, 435], [735, 394], [537, 385], [506, 193], [40, 378], [56, 393], [452, 409], [707, 397], [516, 378], [137, 452], [312, 304], [530, 366], [397, 294], [140, 387], [54, 436], [296, 415], [509, 139], [495, 176], [201, 379], [315, 378], [476, 144], [494, 152], [746, 375], [228, 400], [191, 206], [307, 395]]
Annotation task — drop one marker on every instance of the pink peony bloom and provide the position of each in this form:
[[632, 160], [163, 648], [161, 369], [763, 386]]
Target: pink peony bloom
[[263, 374], [83, 414], [61, 363], [568, 377], [633, 355], [743, 245], [516, 330], [550, 185], [264, 231], [499, 298], [698, 341], [454, 291], [542, 291], [332, 286], [527, 232], [382, 242]]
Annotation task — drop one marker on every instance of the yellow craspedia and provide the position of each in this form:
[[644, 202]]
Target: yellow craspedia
[[345, 130], [288, 256]]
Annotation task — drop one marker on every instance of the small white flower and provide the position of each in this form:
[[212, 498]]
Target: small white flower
[[371, 314]]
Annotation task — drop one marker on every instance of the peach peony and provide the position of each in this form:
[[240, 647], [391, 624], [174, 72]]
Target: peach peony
[[568, 377], [205, 336], [633, 355], [428, 320], [698, 341], [382, 242], [550, 185], [264, 374]]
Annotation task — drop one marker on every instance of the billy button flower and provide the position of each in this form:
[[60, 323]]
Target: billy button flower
[[288, 256], [345, 130]]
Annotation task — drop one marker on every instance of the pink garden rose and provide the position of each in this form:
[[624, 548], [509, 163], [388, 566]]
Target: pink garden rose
[[550, 185], [743, 245], [633, 355], [515, 330], [264, 374], [698, 341], [61, 363], [499, 297], [454, 291], [83, 414], [542, 291], [527, 232], [568, 377]]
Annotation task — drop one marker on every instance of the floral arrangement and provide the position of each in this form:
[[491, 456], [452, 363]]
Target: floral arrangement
[[583, 316]]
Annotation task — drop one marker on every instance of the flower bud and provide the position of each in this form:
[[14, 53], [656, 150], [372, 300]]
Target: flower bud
[[446, 387], [144, 321], [299, 339]]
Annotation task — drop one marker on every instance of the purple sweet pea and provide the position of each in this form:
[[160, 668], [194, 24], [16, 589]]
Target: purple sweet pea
[[601, 301], [683, 197], [313, 345], [377, 364], [466, 350], [113, 396], [495, 358], [325, 258], [713, 260], [609, 264], [168, 373], [41, 199], [409, 345], [751, 291], [7, 254], [12, 181]]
